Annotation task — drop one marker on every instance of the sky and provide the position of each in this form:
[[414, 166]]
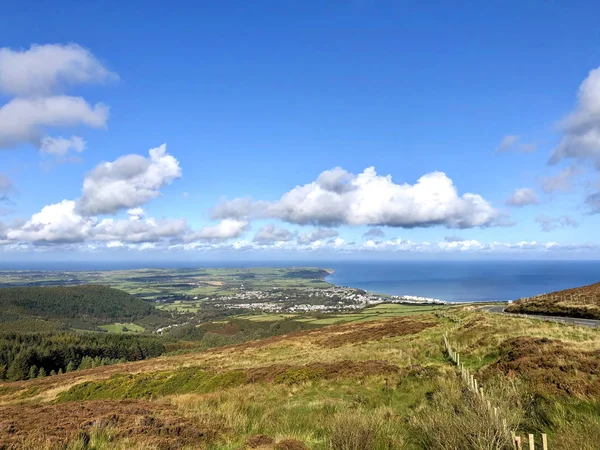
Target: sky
[[268, 129]]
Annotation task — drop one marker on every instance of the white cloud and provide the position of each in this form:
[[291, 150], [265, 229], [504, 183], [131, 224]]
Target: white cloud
[[138, 229], [552, 223], [61, 146], [581, 129], [270, 234], [338, 197], [226, 229], [318, 234], [56, 223], [43, 69], [60, 223], [523, 197], [127, 182], [25, 120], [35, 79]]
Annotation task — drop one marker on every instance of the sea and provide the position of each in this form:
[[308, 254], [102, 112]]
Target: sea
[[453, 281]]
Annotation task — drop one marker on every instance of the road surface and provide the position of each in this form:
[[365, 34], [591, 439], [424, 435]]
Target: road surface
[[568, 320]]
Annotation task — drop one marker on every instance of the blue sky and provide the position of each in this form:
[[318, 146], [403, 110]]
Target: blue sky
[[255, 99]]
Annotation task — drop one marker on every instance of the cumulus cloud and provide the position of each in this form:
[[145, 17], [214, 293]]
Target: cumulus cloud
[[35, 79], [226, 229], [61, 146], [374, 232], [56, 223], [240, 208], [25, 120], [127, 182], [139, 229], [60, 223], [43, 69], [581, 129], [339, 197], [523, 197], [270, 234], [552, 223], [318, 234]]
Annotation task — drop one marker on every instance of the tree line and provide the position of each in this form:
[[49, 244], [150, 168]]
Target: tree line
[[24, 356]]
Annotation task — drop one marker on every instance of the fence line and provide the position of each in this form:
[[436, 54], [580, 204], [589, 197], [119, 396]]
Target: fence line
[[474, 386]]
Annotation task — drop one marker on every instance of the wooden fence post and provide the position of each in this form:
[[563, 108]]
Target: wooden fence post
[[531, 442], [544, 441], [518, 442]]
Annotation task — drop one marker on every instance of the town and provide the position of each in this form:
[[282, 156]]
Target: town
[[333, 299]]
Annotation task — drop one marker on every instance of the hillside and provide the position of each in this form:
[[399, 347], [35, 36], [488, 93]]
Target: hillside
[[90, 303], [383, 384], [581, 302]]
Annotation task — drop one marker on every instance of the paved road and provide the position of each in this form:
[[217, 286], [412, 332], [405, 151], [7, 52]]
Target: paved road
[[567, 320]]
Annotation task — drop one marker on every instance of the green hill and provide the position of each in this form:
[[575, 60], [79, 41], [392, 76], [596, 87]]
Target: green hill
[[86, 304]]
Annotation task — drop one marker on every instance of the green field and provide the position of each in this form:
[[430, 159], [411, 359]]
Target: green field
[[381, 311], [122, 328], [153, 284]]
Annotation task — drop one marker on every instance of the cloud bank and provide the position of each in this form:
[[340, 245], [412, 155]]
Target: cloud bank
[[339, 197]]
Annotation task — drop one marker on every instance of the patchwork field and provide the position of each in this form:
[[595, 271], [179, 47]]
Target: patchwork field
[[154, 284]]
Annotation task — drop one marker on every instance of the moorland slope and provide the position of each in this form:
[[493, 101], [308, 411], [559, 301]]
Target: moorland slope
[[379, 384], [581, 302]]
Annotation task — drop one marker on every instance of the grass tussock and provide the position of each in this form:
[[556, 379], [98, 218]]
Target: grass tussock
[[455, 418], [360, 429]]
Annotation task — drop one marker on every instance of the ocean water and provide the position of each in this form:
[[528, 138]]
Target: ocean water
[[466, 281], [455, 281]]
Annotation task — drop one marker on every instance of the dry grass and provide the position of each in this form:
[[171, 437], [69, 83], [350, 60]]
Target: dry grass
[[53, 426], [382, 385], [578, 302]]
